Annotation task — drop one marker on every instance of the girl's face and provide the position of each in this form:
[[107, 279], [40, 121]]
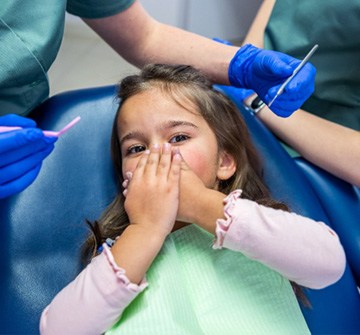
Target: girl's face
[[152, 118]]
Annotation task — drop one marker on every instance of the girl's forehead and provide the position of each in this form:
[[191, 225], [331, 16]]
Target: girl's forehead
[[154, 102], [146, 112]]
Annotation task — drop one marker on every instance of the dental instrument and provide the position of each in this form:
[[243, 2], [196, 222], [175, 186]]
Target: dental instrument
[[46, 132], [297, 69]]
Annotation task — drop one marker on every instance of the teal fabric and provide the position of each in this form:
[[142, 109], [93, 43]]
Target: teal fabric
[[30, 36], [295, 26], [93, 9], [195, 290]]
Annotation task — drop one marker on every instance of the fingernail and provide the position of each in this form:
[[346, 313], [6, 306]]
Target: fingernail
[[177, 156]]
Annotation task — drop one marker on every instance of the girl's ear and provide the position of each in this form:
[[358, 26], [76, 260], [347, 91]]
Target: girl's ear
[[227, 166]]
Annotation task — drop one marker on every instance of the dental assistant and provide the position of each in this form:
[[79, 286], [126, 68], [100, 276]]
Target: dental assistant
[[31, 34]]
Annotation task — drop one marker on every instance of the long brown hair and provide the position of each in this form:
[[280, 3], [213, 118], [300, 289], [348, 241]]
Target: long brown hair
[[186, 85]]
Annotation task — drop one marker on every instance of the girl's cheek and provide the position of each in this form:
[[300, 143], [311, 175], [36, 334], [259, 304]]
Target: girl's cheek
[[203, 164], [129, 166], [196, 161]]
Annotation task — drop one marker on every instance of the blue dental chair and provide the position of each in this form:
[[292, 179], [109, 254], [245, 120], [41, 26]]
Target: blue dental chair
[[42, 227], [344, 216]]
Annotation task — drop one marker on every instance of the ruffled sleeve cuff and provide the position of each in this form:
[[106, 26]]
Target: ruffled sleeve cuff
[[222, 226], [121, 273], [102, 290]]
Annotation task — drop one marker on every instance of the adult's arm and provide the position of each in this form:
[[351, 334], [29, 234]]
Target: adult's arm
[[140, 39], [256, 32], [331, 146]]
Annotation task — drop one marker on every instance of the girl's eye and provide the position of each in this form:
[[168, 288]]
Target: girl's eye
[[178, 138], [135, 149]]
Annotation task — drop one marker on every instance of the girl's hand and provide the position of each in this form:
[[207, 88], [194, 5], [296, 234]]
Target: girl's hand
[[198, 204], [191, 190], [152, 195]]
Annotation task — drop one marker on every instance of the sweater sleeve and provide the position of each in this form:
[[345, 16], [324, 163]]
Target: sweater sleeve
[[303, 250], [93, 302]]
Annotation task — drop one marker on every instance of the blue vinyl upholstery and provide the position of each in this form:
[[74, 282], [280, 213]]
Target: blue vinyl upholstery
[[42, 228], [341, 202]]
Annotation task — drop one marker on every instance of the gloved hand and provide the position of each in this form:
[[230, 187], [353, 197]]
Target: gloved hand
[[21, 154], [264, 71], [240, 93]]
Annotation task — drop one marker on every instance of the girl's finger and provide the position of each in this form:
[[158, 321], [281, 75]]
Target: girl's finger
[[165, 160], [125, 183], [153, 160], [175, 168], [140, 167], [128, 175]]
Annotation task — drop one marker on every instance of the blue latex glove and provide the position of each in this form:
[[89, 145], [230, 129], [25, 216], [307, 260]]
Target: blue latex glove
[[241, 93], [21, 154], [264, 71]]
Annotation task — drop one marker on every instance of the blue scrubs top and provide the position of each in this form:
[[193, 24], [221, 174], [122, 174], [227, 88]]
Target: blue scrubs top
[[30, 36]]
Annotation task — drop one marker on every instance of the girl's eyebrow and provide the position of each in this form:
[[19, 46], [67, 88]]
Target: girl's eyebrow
[[176, 123], [164, 126], [132, 135]]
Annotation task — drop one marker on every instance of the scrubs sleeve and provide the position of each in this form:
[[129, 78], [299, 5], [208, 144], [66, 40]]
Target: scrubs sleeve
[[301, 249], [93, 302], [95, 9]]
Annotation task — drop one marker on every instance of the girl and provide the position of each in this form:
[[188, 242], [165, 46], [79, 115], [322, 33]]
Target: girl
[[189, 172]]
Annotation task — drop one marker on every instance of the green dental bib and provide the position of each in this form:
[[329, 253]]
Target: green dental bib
[[195, 290]]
